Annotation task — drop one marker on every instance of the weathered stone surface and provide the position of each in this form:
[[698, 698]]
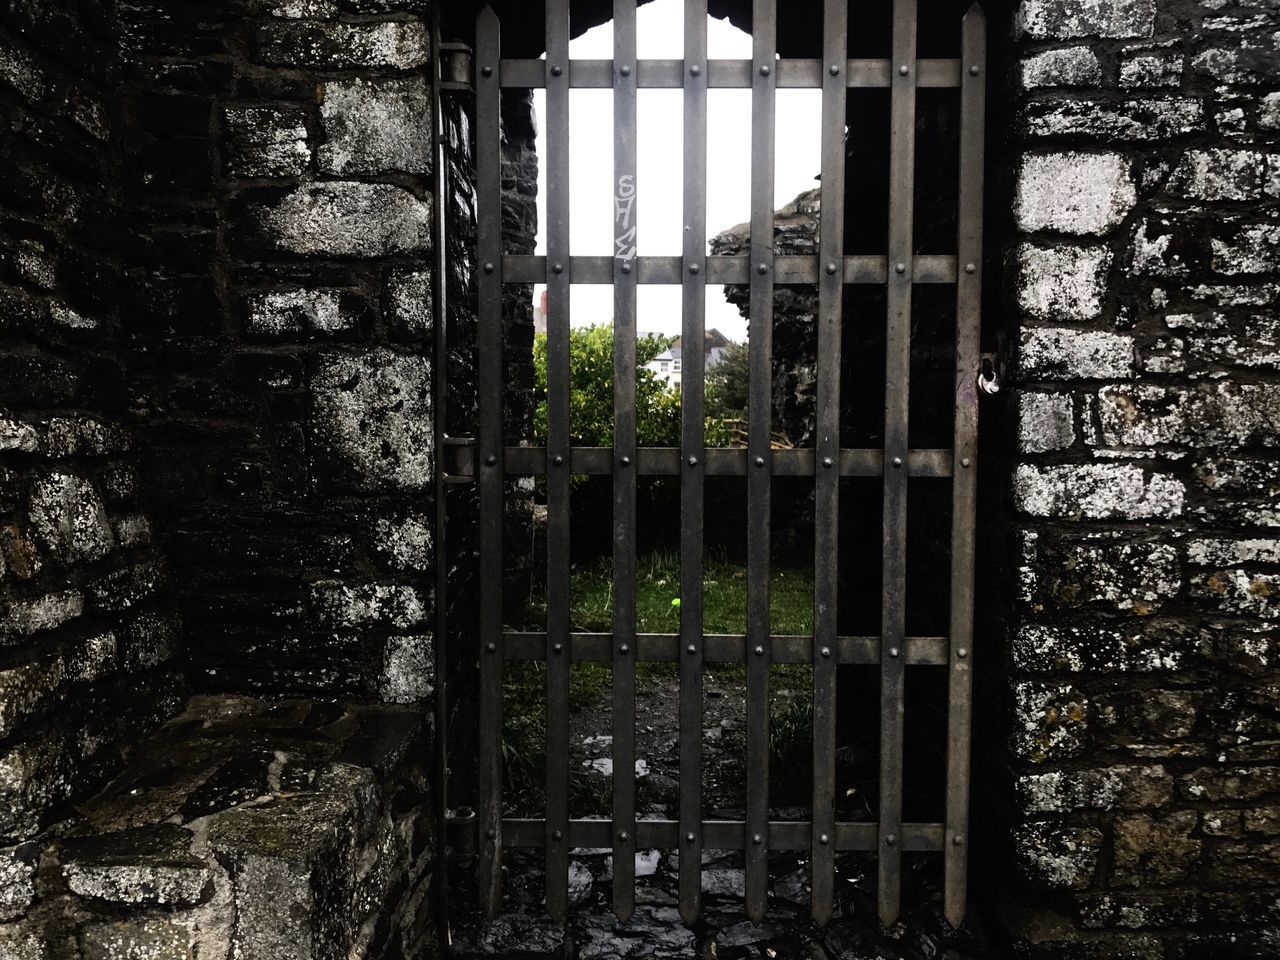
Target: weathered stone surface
[[1156, 850], [1217, 414], [266, 141], [1065, 67], [1050, 721], [1061, 282], [24, 946], [408, 669], [1096, 491], [347, 219], [1222, 552], [376, 126], [288, 313], [405, 543], [340, 605], [1065, 19], [1219, 174], [1137, 648], [1057, 353], [1162, 248], [1244, 247], [22, 618], [1123, 787], [1056, 855], [372, 417], [137, 940], [394, 45], [17, 879], [408, 301], [152, 865], [1239, 592], [1072, 192], [68, 518], [1146, 70], [1122, 573], [1046, 421], [1139, 121]]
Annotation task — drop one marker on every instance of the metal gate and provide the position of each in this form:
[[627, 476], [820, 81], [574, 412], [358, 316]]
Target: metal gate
[[899, 270]]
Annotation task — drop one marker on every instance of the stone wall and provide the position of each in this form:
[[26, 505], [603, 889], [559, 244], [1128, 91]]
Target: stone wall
[[88, 628], [1143, 647], [282, 167]]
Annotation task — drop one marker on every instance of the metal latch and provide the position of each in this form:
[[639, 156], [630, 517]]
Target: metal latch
[[459, 459], [457, 61], [989, 374]]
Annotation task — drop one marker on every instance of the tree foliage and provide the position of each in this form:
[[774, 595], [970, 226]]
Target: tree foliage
[[591, 390]]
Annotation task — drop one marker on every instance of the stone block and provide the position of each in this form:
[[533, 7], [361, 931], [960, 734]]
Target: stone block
[[1221, 552], [24, 617], [24, 945], [1066, 19], [1244, 247], [145, 866], [138, 939], [1046, 422], [1096, 491], [1073, 192], [390, 45], [405, 543], [342, 606], [284, 314], [266, 141], [1153, 723], [376, 126], [1058, 353], [17, 880], [1060, 283], [1057, 856], [1164, 246], [1059, 575], [407, 303], [1219, 174], [1066, 67], [68, 519], [1145, 120], [127, 587], [345, 219], [1227, 784], [1124, 648], [1239, 592], [372, 421], [408, 669], [1245, 62], [1147, 70], [1050, 722], [1156, 851], [1224, 414], [1120, 787]]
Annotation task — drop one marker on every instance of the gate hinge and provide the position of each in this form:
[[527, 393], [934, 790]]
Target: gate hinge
[[459, 459], [460, 838], [457, 61]]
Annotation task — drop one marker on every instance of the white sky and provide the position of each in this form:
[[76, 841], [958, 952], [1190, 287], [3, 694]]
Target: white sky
[[660, 162]]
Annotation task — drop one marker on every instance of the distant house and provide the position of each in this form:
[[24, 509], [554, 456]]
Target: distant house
[[668, 363]]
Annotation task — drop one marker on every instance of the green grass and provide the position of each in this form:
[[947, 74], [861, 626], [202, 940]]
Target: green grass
[[657, 585], [724, 597]]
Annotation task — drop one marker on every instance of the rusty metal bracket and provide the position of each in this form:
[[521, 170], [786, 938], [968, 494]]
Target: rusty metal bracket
[[458, 459], [457, 65]]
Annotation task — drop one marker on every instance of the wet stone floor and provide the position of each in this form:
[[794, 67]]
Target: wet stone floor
[[723, 933]]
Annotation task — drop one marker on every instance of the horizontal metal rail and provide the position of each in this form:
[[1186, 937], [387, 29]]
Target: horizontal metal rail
[[722, 835], [671, 74], [727, 462], [730, 648], [926, 268]]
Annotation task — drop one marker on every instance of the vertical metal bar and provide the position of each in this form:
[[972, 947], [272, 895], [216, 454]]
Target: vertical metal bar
[[759, 452], [692, 434], [827, 481], [624, 457], [897, 376], [490, 384], [558, 466], [439, 400], [964, 484]]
